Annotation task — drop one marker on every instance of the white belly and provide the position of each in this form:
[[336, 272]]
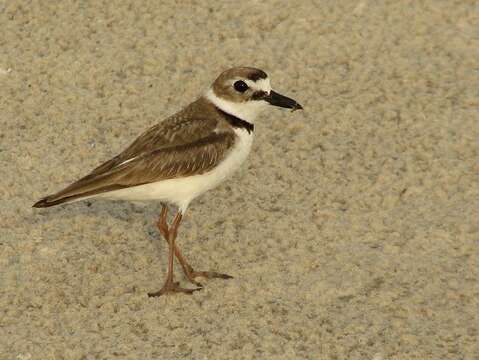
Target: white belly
[[182, 190]]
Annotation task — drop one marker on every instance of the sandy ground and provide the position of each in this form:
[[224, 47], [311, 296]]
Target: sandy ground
[[352, 232]]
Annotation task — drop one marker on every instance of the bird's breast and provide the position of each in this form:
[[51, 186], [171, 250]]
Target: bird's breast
[[238, 153]]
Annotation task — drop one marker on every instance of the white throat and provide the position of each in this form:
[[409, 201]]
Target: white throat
[[247, 111]]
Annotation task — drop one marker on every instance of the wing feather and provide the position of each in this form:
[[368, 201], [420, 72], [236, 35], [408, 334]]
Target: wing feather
[[185, 144]]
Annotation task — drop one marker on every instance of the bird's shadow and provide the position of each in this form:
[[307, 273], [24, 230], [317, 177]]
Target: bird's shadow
[[121, 211]]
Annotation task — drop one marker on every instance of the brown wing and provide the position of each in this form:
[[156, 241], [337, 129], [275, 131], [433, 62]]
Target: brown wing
[[194, 122], [176, 161], [183, 145]]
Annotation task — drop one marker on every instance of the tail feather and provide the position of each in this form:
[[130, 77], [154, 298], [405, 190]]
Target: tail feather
[[99, 181], [76, 191], [52, 201]]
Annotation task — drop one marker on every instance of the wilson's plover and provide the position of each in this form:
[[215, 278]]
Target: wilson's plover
[[185, 155]]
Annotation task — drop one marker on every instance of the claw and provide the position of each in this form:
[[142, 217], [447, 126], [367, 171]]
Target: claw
[[197, 283], [173, 287], [223, 276], [192, 275]]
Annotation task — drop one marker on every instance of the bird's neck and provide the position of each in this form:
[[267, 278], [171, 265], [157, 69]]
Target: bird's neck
[[236, 122]]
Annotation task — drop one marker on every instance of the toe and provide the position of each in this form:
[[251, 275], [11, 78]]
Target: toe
[[224, 276], [173, 288]]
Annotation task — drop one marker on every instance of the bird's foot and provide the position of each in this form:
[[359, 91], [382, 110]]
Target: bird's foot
[[192, 275], [172, 287]]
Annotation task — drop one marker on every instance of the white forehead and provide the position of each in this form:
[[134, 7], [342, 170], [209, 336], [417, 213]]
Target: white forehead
[[260, 84]]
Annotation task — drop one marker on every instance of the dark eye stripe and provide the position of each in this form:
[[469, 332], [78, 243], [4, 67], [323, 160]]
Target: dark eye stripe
[[258, 95]]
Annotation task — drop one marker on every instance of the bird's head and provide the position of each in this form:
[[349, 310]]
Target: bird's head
[[245, 92]]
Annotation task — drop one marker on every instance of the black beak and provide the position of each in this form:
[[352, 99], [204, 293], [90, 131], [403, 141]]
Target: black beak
[[282, 101]]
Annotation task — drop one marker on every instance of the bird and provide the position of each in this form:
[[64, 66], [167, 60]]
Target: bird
[[182, 157]]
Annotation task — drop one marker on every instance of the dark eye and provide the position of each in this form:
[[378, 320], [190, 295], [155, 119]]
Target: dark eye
[[240, 86]]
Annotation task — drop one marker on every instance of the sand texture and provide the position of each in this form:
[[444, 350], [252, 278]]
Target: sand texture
[[352, 231]]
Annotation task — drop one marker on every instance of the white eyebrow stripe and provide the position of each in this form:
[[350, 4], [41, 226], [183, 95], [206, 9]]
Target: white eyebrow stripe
[[260, 84]]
